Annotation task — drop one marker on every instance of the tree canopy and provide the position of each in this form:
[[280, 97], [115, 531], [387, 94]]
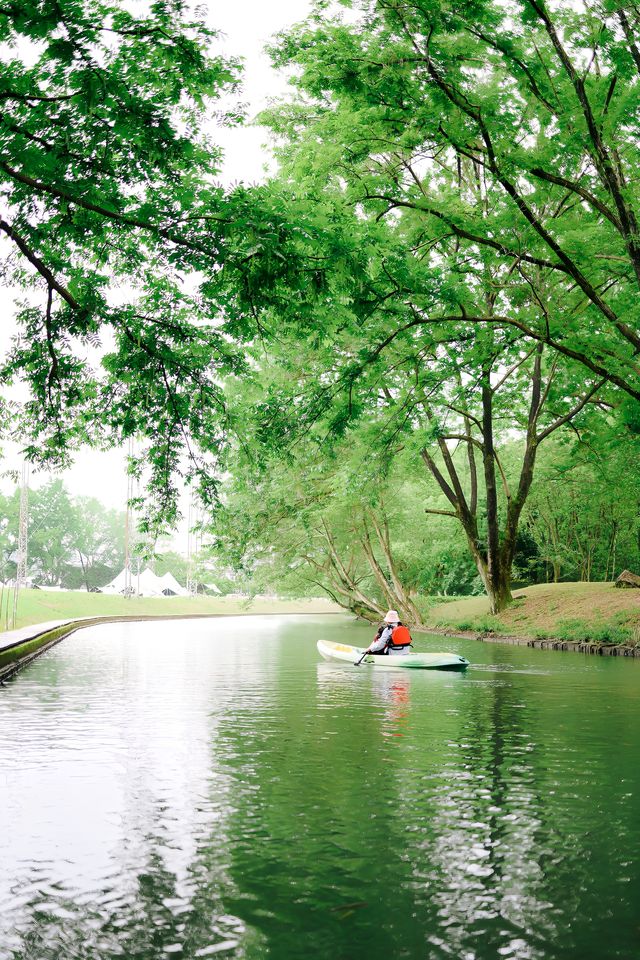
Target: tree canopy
[[507, 132], [439, 276], [443, 274], [109, 218]]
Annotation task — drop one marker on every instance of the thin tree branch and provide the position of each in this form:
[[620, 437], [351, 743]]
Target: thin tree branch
[[571, 413], [43, 270], [113, 215]]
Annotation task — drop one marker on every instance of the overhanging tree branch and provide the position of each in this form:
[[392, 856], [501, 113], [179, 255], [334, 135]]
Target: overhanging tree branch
[[43, 270], [113, 215]]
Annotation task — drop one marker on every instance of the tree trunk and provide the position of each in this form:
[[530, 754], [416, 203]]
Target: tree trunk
[[388, 595], [406, 606], [84, 571], [493, 555], [610, 571], [494, 558], [342, 588], [499, 591], [497, 587], [347, 581]]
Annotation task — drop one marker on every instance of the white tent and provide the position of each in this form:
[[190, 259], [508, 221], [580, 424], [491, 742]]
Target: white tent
[[171, 586], [117, 585], [147, 584]]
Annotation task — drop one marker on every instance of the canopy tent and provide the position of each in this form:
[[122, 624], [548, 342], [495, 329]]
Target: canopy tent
[[211, 587], [147, 584], [171, 587], [117, 585]]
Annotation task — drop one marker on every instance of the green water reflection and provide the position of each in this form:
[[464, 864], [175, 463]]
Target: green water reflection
[[196, 791]]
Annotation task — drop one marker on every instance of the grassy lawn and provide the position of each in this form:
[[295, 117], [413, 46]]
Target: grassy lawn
[[566, 611], [39, 606]]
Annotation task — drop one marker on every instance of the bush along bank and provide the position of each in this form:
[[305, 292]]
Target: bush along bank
[[586, 618]]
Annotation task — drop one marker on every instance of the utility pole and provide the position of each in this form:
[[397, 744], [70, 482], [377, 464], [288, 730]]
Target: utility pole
[[23, 528], [23, 540], [128, 588], [192, 541]]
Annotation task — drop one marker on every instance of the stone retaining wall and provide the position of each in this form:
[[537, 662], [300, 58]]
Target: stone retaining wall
[[574, 646]]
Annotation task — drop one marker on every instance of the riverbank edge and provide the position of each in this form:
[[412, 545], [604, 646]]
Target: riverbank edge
[[31, 641], [548, 643]]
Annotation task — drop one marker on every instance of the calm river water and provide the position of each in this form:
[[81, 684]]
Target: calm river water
[[211, 788]]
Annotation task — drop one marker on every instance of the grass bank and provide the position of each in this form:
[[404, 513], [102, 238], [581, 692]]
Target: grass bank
[[40, 606], [582, 612]]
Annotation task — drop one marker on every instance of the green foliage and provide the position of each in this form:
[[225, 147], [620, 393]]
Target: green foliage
[[488, 624], [484, 623], [76, 543], [444, 566], [581, 631], [436, 221], [493, 144], [443, 275], [111, 216], [583, 512]]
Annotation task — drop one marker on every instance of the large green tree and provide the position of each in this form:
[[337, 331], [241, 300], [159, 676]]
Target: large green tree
[[422, 107], [72, 542], [584, 514], [457, 403], [323, 519], [355, 344], [110, 221], [97, 544], [455, 211]]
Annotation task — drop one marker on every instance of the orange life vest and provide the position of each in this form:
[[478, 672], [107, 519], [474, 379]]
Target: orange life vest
[[400, 637]]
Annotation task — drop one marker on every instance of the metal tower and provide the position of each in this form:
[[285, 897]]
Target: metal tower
[[192, 544], [128, 586], [23, 529], [23, 542]]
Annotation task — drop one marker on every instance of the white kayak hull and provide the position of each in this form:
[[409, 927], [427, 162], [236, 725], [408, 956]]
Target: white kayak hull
[[344, 653]]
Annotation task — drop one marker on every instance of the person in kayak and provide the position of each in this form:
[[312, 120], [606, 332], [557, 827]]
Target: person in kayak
[[392, 636]]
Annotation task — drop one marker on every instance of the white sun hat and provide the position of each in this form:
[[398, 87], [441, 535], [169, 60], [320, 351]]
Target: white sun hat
[[392, 617]]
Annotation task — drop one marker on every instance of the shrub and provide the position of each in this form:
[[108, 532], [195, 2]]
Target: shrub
[[611, 634], [581, 632], [487, 624]]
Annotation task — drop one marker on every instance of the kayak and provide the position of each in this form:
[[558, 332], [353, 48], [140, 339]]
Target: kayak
[[344, 653]]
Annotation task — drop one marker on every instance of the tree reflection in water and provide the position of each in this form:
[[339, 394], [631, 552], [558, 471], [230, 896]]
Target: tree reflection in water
[[241, 798]]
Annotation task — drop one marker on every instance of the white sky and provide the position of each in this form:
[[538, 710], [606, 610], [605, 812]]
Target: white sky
[[247, 26]]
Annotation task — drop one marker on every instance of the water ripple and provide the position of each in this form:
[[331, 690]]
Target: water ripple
[[176, 791]]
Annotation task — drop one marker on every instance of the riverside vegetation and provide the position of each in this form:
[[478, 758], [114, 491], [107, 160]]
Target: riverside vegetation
[[411, 355], [568, 611]]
